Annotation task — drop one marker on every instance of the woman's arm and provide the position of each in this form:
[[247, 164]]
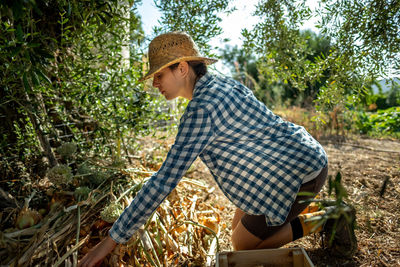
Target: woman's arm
[[194, 134], [95, 256]]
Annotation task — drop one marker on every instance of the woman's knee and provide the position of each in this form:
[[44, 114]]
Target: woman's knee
[[237, 217], [242, 239]]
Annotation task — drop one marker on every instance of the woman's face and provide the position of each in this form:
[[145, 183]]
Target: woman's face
[[169, 83]]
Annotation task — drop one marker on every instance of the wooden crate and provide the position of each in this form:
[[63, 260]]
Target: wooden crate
[[282, 257]]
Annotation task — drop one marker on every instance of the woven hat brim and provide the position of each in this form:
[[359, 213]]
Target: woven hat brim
[[151, 72]]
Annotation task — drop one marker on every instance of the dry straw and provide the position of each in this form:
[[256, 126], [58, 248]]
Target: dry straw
[[170, 48]]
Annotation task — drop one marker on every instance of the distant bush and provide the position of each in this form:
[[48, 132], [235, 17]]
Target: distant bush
[[386, 121], [382, 100]]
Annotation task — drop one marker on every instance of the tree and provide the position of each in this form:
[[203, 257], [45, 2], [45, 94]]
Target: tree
[[60, 64], [243, 65], [200, 19], [249, 69], [367, 32], [361, 35]]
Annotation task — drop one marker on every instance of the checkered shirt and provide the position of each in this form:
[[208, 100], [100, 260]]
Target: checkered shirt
[[257, 159]]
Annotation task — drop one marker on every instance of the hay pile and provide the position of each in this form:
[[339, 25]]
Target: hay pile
[[181, 231], [79, 203]]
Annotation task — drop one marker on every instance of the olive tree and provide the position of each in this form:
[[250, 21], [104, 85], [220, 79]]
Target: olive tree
[[364, 38]]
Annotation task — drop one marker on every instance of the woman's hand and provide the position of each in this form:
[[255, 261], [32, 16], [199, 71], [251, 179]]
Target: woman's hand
[[98, 253]]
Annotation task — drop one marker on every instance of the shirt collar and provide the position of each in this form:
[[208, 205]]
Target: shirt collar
[[202, 82]]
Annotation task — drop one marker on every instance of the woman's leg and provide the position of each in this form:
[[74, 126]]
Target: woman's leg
[[242, 239], [262, 236], [236, 218], [281, 237]]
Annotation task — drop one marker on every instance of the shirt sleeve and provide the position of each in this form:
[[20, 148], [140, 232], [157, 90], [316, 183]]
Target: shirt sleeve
[[195, 132]]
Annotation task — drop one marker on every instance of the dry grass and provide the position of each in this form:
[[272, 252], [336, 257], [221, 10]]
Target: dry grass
[[177, 234], [378, 218], [183, 230]]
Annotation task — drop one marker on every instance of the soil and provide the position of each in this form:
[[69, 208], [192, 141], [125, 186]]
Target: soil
[[364, 164]]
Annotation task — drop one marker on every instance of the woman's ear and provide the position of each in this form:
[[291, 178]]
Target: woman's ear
[[183, 69]]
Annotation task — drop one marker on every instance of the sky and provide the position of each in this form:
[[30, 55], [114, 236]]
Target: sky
[[231, 24]]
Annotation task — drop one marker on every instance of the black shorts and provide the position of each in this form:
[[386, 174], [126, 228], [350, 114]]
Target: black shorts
[[257, 225]]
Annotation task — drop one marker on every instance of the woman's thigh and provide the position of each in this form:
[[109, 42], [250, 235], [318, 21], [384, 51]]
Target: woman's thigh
[[256, 224]]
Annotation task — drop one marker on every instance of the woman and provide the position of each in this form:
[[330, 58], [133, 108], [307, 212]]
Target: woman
[[259, 161]]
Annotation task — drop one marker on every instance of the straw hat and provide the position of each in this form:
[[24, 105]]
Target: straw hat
[[170, 48]]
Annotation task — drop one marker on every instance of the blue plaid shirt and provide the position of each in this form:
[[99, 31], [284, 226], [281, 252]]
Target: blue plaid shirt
[[258, 160]]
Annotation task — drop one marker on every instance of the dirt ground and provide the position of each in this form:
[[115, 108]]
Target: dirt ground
[[364, 165]]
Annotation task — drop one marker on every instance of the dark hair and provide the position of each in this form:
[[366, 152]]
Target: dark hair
[[199, 67]]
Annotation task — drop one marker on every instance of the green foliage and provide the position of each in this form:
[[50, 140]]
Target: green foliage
[[277, 39], [340, 71], [67, 150], [111, 212], [385, 121], [82, 192], [198, 18], [271, 84], [382, 100], [84, 169], [60, 175], [91, 175], [335, 185], [334, 209], [243, 67], [68, 77], [97, 177], [241, 63], [366, 32], [100, 81]]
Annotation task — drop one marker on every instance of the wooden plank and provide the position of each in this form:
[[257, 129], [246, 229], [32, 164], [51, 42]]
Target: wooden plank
[[298, 258], [222, 260], [249, 258], [282, 257], [307, 260]]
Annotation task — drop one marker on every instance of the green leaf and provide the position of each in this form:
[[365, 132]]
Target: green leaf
[[15, 51], [102, 18], [330, 185], [42, 75], [44, 53], [338, 177], [32, 45], [19, 33], [83, 98], [26, 83], [36, 9], [34, 78], [69, 9], [17, 9]]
